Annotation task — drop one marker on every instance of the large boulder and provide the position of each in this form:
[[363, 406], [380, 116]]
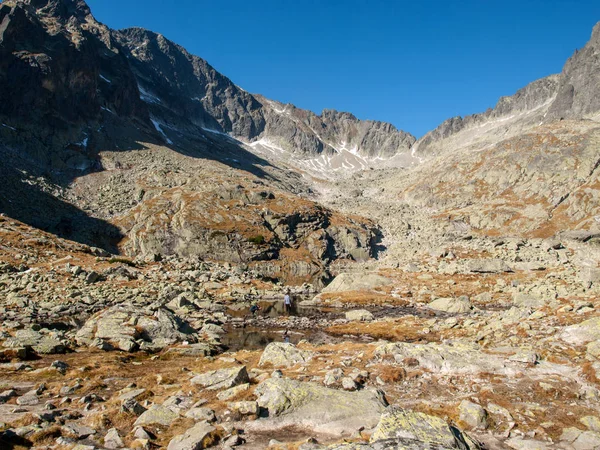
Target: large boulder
[[589, 275], [353, 282], [399, 428], [473, 414], [360, 315], [460, 357], [222, 378], [580, 333], [283, 354], [157, 414], [200, 436], [490, 265], [40, 343], [522, 300], [129, 328], [317, 408], [451, 305]]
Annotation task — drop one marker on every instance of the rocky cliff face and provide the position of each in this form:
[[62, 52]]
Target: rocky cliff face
[[578, 94], [124, 140], [535, 184], [511, 116], [180, 87], [55, 66], [573, 93]]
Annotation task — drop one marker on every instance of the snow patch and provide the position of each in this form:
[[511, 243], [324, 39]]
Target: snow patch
[[160, 130], [105, 79], [8, 126], [264, 142], [148, 97], [143, 44], [413, 153], [106, 109]]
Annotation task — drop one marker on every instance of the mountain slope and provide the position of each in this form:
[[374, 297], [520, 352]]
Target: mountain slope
[[180, 87], [85, 138], [574, 94]]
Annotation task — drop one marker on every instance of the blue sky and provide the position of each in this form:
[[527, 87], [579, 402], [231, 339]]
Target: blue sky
[[413, 64]]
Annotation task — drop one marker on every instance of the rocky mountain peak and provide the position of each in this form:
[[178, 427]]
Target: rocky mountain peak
[[596, 34], [63, 10]]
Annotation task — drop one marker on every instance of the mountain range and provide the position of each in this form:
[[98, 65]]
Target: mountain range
[[122, 139]]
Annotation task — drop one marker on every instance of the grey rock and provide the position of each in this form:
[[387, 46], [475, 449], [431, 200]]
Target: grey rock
[[353, 282], [124, 324], [399, 428], [130, 405], [493, 265], [473, 414], [200, 436], [245, 408], [112, 440], [282, 354], [157, 414], [206, 414], [360, 315], [222, 378], [451, 305], [583, 332], [317, 407], [80, 431]]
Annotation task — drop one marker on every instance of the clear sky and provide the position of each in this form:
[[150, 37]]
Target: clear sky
[[412, 63]]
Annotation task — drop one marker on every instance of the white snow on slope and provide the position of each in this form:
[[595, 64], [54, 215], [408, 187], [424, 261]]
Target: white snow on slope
[[147, 96], [105, 79], [267, 144], [346, 161], [8, 126], [160, 130]]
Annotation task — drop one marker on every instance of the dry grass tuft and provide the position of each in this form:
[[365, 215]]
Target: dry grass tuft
[[589, 373], [46, 436], [391, 374]]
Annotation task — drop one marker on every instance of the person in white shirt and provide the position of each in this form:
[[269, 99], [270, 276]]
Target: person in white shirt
[[287, 303]]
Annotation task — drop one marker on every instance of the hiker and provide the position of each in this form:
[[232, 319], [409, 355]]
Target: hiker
[[287, 302], [286, 337], [254, 308]]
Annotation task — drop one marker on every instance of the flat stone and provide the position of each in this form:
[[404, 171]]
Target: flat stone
[[222, 378], [246, 408], [112, 440], [157, 414], [526, 444], [583, 332], [200, 436], [28, 399], [233, 392], [359, 315], [356, 282], [451, 305], [492, 265], [522, 300], [461, 357], [282, 354], [592, 423], [473, 414], [316, 407], [132, 393], [415, 430], [201, 414], [81, 431], [588, 440]]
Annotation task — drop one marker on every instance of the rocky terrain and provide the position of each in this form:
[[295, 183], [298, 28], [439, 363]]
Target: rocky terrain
[[445, 290]]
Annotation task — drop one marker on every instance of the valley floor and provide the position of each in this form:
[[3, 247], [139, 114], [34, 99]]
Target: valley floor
[[497, 337]]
